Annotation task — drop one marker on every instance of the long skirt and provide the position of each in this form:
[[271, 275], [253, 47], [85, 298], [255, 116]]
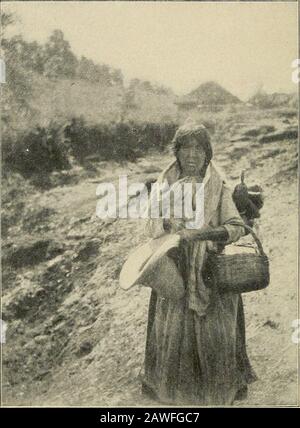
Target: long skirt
[[196, 360]]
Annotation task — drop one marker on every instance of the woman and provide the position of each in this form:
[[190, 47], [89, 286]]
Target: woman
[[195, 347]]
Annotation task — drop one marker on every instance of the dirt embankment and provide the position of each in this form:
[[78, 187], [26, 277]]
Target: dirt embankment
[[75, 338]]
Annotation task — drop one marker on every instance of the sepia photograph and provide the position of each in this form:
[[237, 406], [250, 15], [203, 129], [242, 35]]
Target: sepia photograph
[[149, 205]]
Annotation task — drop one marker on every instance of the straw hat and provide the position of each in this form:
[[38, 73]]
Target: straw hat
[[149, 265]]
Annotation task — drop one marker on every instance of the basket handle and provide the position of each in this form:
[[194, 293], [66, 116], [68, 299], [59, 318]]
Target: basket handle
[[255, 237]]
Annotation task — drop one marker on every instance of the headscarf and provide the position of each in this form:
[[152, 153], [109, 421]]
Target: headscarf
[[200, 133]]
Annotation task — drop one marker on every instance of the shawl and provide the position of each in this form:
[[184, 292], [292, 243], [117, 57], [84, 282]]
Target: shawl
[[197, 293]]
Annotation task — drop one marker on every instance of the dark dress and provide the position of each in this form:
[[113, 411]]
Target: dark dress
[[192, 360], [195, 347]]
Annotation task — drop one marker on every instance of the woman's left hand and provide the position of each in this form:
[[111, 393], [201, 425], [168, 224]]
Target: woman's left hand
[[206, 233], [193, 234]]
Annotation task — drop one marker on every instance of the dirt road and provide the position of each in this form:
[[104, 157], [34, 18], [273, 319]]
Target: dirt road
[[75, 338]]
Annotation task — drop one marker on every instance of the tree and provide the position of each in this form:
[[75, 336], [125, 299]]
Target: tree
[[32, 56], [86, 70], [117, 77], [17, 90], [134, 83], [104, 73], [146, 86], [59, 59]]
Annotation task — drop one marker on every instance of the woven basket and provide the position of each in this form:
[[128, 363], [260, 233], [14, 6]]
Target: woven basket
[[238, 273]]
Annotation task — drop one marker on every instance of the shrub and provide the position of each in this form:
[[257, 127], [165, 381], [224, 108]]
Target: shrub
[[118, 141], [39, 151], [42, 150]]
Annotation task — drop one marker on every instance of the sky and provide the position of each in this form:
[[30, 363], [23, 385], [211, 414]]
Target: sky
[[243, 46]]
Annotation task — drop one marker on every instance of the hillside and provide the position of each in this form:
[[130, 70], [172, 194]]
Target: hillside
[[48, 82], [97, 103], [75, 338]]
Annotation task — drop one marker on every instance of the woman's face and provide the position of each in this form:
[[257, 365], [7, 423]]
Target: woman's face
[[191, 157]]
